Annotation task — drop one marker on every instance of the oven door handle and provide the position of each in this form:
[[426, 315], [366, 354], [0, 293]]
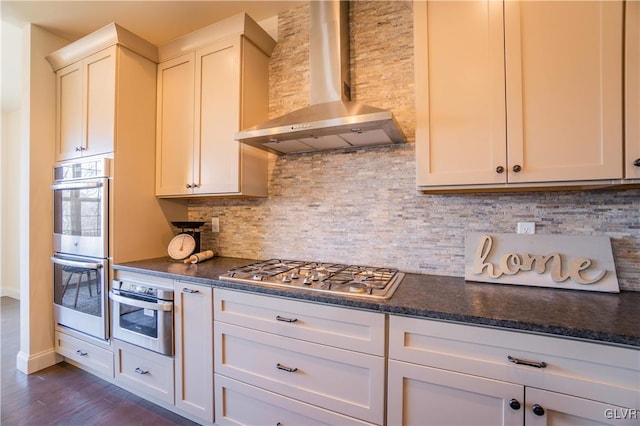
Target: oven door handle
[[77, 185], [158, 306], [75, 263]]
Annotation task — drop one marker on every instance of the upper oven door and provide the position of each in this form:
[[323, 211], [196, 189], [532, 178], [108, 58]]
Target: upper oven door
[[80, 217]]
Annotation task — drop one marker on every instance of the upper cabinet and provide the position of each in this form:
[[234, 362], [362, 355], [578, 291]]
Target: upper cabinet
[[518, 94], [211, 84], [632, 90], [89, 81], [85, 115]]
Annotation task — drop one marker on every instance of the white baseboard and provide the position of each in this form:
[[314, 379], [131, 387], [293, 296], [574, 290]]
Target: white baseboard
[[31, 363]]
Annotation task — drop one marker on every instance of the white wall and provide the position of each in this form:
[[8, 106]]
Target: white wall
[[10, 159], [9, 206]]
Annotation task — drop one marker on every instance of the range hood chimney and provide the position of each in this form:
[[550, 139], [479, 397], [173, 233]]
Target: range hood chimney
[[332, 121]]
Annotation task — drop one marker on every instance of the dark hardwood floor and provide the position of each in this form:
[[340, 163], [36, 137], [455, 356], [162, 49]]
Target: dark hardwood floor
[[64, 394]]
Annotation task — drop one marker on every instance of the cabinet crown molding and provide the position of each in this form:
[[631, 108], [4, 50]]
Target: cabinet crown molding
[[240, 24], [106, 36]]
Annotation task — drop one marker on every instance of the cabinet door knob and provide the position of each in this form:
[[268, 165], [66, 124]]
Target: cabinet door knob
[[79, 148], [499, 169], [188, 186], [515, 404], [637, 162], [517, 168], [537, 410]]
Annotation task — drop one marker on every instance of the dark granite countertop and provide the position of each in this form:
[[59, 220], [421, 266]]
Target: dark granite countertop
[[602, 317]]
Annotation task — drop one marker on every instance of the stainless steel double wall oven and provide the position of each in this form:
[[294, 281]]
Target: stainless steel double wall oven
[[81, 246]]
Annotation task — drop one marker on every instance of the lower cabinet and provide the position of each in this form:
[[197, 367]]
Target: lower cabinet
[[268, 408], [184, 382], [420, 395], [296, 359], [144, 371], [444, 373], [89, 356], [193, 322]]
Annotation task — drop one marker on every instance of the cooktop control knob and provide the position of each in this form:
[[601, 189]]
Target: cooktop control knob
[[286, 279]]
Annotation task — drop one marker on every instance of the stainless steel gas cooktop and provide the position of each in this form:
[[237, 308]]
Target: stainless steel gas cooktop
[[334, 278]]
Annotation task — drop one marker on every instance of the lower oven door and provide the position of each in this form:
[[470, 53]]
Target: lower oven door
[[80, 294], [142, 321]]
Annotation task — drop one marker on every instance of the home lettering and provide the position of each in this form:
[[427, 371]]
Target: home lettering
[[512, 263]]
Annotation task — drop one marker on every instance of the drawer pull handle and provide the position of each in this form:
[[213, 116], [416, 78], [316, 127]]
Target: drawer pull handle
[[81, 352], [285, 368], [536, 364], [285, 319], [188, 290], [141, 371]]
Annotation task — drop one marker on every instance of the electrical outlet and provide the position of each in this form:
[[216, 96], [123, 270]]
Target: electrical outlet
[[526, 228], [215, 224]]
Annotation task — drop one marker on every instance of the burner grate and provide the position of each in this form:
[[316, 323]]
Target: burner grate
[[335, 278]]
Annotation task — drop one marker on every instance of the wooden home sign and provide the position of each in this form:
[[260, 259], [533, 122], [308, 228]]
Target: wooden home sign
[[557, 261]]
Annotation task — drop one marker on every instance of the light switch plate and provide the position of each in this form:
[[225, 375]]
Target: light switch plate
[[215, 224]]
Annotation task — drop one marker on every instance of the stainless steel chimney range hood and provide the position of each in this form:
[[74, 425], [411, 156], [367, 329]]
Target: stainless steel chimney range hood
[[332, 121]]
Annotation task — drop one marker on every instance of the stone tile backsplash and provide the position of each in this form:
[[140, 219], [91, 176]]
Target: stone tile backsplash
[[362, 206]]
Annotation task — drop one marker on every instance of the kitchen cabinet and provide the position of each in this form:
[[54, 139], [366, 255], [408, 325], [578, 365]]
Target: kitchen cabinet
[[144, 372], [100, 78], [211, 84], [85, 116], [518, 94], [632, 90], [193, 321], [329, 358], [94, 356], [459, 374]]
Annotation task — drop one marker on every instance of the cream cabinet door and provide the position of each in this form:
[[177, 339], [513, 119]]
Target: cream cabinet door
[[86, 104], [518, 93], [100, 101], [546, 408], [461, 129], [564, 90], [425, 396], [194, 349], [174, 138], [217, 154], [632, 90], [69, 139]]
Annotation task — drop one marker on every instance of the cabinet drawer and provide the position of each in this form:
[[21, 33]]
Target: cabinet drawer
[[90, 356], [589, 370], [268, 408], [329, 325], [144, 371], [347, 382]]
